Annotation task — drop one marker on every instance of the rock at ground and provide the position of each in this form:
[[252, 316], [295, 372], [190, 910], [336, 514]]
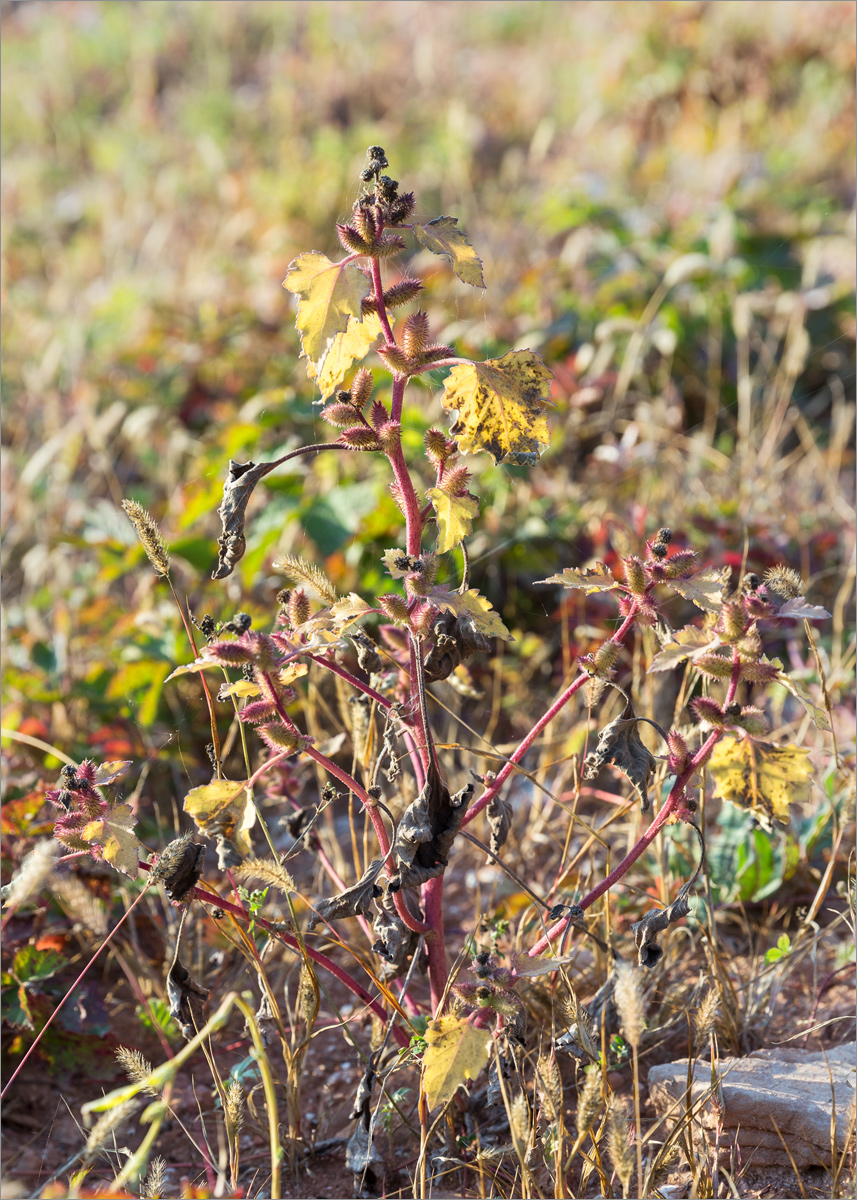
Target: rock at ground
[[771, 1100]]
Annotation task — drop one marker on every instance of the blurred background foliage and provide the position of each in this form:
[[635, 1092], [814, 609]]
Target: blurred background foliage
[[662, 193]]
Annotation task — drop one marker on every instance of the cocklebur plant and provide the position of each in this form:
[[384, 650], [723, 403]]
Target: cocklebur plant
[[424, 631]]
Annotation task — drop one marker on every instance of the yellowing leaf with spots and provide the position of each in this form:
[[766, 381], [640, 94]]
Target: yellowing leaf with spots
[[328, 294], [223, 808], [454, 517], [456, 1052], [502, 406], [241, 690], [114, 832], [473, 605], [591, 579], [344, 351], [442, 236], [761, 777]]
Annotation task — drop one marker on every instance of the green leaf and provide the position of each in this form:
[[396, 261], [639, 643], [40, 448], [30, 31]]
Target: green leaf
[[30, 964], [442, 236]]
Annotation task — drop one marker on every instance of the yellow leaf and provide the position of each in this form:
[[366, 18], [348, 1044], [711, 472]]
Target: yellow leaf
[[591, 579], [454, 517], [328, 294], [456, 1051], [293, 671], [346, 349], [501, 406], [762, 777], [114, 833], [442, 236], [484, 617], [198, 664], [109, 772], [240, 690], [223, 807], [704, 589]]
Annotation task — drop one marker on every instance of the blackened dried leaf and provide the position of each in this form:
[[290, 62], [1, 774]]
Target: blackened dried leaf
[[648, 951], [620, 743], [499, 822], [395, 942], [426, 832], [265, 1019], [179, 867], [228, 855], [353, 902], [240, 482], [368, 658], [455, 638], [186, 997], [362, 1157]]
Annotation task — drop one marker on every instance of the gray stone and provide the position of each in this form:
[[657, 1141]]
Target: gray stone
[[785, 1090]]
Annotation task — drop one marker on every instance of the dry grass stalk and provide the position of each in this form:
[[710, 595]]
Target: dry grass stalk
[[155, 1181], [588, 1100], [151, 538], [80, 903], [550, 1086], [619, 1143], [704, 1018], [137, 1068], [234, 1107], [35, 869], [628, 994], [298, 570], [105, 1125], [268, 870]]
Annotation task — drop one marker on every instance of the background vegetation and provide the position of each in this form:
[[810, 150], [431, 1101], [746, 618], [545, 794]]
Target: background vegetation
[[663, 196]]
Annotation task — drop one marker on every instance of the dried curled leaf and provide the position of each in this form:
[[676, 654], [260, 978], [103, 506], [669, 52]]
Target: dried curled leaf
[[499, 822], [343, 352], [620, 743], [223, 809], [114, 834], [240, 482], [328, 294], [426, 832], [761, 777], [454, 516], [179, 867], [502, 406], [442, 236], [395, 942], [591, 579], [362, 1156], [704, 589], [685, 644], [457, 1051], [645, 930], [353, 902], [186, 998]]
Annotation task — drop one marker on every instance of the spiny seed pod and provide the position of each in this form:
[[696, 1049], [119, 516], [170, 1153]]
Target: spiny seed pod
[[423, 618], [298, 607], [750, 646], [398, 498], [680, 565], [714, 665], [604, 657], [732, 621], [759, 672], [753, 720], [367, 226], [359, 437], [401, 208], [380, 414], [351, 239], [415, 334], [227, 654], [280, 738], [340, 415], [784, 583], [387, 245], [750, 582], [361, 388], [402, 292], [258, 710], [395, 606], [376, 158], [396, 359], [418, 583], [635, 575], [455, 481], [658, 547], [389, 436], [708, 712], [437, 447], [678, 752], [436, 352]]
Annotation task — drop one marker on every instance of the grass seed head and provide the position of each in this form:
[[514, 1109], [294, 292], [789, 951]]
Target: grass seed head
[[628, 994], [151, 538]]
